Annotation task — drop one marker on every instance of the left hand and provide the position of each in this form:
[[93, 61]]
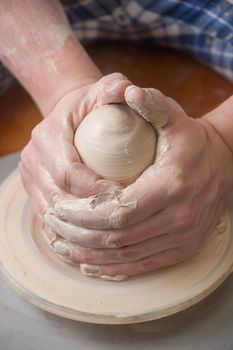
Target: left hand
[[178, 200], [50, 167]]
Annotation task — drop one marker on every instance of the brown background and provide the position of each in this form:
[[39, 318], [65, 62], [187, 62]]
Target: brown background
[[197, 88]]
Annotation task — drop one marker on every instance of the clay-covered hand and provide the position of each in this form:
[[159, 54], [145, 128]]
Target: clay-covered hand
[[50, 165], [167, 214]]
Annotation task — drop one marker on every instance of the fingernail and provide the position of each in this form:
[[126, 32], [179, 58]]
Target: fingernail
[[90, 270], [59, 208], [132, 93], [61, 249], [47, 219]]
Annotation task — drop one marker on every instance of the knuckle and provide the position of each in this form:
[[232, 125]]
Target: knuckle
[[152, 95], [108, 79], [127, 254], [117, 76], [155, 92], [112, 240], [119, 219], [180, 187]]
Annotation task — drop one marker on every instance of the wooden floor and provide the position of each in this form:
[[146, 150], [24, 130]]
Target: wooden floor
[[197, 88]]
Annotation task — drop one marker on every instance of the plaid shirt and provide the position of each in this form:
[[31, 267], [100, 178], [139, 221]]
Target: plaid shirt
[[201, 28]]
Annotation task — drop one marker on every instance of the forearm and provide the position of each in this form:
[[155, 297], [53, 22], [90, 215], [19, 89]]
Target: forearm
[[38, 46]]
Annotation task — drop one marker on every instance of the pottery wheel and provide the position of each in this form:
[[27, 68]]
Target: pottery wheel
[[36, 273]]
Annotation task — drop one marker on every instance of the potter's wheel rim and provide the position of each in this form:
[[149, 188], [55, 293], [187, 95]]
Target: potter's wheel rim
[[150, 313]]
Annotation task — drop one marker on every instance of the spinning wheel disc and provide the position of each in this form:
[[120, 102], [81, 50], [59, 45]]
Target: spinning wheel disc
[[36, 273]]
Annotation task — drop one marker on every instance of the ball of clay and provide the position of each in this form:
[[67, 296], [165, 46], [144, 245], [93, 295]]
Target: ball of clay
[[116, 143]]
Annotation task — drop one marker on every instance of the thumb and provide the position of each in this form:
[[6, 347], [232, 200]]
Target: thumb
[[156, 108], [111, 89]]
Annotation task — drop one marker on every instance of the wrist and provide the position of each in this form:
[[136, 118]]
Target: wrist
[[70, 70], [221, 119], [58, 92], [216, 126], [39, 47]]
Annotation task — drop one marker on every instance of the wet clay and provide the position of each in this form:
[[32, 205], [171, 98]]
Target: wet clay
[[116, 143], [35, 272]]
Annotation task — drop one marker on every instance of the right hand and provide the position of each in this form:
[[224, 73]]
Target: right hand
[[50, 165], [167, 214]]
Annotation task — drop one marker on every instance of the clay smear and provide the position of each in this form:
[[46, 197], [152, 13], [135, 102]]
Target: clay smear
[[116, 143], [32, 268]]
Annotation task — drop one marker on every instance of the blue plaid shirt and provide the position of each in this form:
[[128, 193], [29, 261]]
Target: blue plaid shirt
[[201, 28]]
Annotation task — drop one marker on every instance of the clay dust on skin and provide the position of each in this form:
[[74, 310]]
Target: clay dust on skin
[[56, 37], [93, 271], [163, 144]]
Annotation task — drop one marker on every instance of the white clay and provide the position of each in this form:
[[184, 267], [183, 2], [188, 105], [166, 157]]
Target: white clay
[[37, 273], [116, 143]]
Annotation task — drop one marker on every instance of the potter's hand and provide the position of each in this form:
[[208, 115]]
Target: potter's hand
[[167, 214], [50, 165]]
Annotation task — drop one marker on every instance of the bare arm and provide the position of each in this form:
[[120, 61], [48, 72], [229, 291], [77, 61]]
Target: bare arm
[[38, 46]]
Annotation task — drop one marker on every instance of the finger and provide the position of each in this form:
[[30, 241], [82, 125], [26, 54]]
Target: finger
[[152, 105], [82, 236], [76, 254], [188, 242], [111, 89], [155, 225], [62, 161], [148, 264], [148, 195]]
